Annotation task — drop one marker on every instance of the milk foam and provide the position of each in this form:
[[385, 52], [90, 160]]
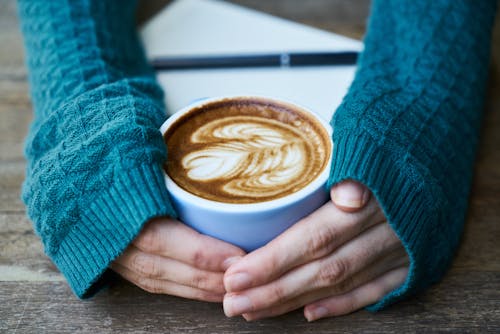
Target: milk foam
[[248, 156]]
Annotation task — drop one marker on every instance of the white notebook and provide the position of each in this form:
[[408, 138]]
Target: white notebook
[[210, 27]]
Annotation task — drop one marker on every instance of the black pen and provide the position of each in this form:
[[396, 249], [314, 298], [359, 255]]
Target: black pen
[[292, 59]]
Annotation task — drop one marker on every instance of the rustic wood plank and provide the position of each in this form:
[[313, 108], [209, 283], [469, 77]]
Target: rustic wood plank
[[15, 106], [11, 56], [21, 251], [340, 16], [39, 308], [11, 178], [13, 129]]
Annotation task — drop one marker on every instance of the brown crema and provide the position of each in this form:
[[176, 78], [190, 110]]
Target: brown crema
[[246, 150]]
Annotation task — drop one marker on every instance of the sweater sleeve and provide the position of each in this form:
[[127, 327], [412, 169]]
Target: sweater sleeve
[[408, 127], [94, 151]]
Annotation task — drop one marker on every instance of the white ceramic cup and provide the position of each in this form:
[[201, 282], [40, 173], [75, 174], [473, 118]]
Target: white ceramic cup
[[252, 225]]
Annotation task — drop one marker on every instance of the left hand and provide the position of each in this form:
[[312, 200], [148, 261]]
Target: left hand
[[332, 262]]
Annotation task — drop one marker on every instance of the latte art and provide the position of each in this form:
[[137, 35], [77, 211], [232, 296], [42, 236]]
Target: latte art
[[248, 156], [245, 152]]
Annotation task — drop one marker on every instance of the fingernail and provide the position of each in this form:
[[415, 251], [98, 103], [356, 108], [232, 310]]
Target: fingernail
[[230, 261], [346, 202], [237, 305], [237, 282], [316, 313], [350, 194]]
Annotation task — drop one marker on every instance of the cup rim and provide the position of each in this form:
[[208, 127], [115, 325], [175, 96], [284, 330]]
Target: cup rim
[[313, 186]]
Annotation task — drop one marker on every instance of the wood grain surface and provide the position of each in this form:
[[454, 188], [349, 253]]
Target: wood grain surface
[[34, 298]]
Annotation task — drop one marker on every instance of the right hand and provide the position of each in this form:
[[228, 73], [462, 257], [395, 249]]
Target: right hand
[[171, 258], [336, 262]]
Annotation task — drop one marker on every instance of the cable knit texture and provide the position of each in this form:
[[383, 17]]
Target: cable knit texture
[[407, 128], [94, 150]]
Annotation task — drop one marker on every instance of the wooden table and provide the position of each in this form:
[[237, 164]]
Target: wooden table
[[34, 298]]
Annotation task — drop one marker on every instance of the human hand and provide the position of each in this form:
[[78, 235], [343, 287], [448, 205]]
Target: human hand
[[171, 258], [332, 262]]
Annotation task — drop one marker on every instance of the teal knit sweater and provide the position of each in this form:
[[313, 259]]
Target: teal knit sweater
[[408, 128]]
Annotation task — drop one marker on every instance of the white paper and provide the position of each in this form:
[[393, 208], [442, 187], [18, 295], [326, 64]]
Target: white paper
[[209, 27]]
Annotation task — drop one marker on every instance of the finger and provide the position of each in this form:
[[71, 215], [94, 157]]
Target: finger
[[311, 238], [395, 260], [350, 195], [166, 287], [172, 239], [361, 297], [161, 268], [375, 245], [330, 271]]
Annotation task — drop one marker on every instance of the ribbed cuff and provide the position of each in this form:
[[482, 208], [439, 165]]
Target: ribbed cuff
[[109, 224], [357, 156]]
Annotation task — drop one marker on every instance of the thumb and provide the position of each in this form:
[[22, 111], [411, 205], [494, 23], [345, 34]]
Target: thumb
[[350, 195]]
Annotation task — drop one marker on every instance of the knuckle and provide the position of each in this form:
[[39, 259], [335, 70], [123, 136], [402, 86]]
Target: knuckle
[[201, 281], [345, 286], [145, 265], [278, 294], [149, 285], [199, 259], [332, 273], [320, 242], [148, 240]]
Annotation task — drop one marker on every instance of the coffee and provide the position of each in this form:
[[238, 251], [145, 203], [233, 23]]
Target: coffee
[[246, 150], [244, 169]]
